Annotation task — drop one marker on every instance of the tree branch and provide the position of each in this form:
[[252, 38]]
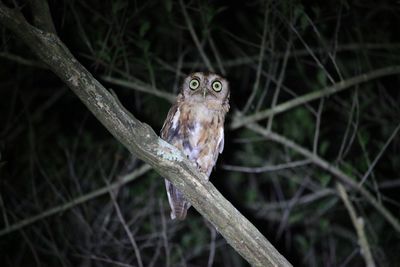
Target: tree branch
[[141, 140], [195, 38], [344, 178], [358, 223], [340, 86], [76, 201], [145, 88]]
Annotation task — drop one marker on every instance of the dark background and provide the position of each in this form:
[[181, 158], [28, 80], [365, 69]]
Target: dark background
[[53, 150]]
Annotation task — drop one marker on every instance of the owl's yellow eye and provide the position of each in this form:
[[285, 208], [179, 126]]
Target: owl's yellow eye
[[217, 86], [194, 84]]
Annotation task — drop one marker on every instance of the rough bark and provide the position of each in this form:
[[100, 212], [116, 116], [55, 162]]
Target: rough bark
[[141, 140]]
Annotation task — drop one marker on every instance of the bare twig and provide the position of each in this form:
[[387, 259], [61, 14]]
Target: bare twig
[[76, 201], [23, 61], [217, 55], [212, 247], [279, 84], [265, 208], [127, 230], [141, 87], [331, 169], [299, 53], [337, 87], [194, 37], [260, 63], [164, 235], [4, 212], [317, 126], [353, 113], [267, 168], [371, 167], [358, 223]]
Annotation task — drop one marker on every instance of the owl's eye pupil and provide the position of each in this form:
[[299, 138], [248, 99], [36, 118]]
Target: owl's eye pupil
[[217, 86], [194, 84]]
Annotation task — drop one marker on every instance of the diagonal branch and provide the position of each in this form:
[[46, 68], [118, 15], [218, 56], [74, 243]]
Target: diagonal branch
[[337, 87], [195, 38], [141, 140], [358, 223], [76, 201], [141, 87], [336, 172]]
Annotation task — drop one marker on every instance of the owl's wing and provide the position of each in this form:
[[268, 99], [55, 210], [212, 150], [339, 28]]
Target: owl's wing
[[172, 133], [221, 140], [170, 129]]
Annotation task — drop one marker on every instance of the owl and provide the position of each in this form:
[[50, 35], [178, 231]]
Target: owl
[[195, 125]]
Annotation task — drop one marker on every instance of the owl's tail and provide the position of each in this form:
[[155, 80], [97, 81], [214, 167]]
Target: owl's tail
[[179, 205]]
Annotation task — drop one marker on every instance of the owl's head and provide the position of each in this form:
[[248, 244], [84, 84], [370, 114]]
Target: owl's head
[[206, 87]]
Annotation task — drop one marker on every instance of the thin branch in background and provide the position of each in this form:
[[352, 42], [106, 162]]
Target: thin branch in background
[[127, 230], [212, 246], [271, 69], [110, 261], [195, 38], [329, 53], [354, 109], [358, 223], [32, 248], [76, 201], [217, 55], [165, 235], [371, 167], [320, 162], [317, 126], [310, 51], [247, 60], [268, 167], [4, 211], [141, 87], [260, 64], [174, 68], [23, 61], [287, 210], [279, 85], [340, 86], [264, 208]]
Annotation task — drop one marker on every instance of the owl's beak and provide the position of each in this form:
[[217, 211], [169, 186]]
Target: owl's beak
[[205, 92]]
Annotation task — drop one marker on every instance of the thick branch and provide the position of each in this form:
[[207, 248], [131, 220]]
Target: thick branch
[[141, 140]]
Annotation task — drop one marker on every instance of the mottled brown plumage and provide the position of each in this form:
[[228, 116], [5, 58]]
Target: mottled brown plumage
[[195, 125]]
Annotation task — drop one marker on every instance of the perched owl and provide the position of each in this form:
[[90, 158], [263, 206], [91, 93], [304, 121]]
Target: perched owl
[[195, 125]]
